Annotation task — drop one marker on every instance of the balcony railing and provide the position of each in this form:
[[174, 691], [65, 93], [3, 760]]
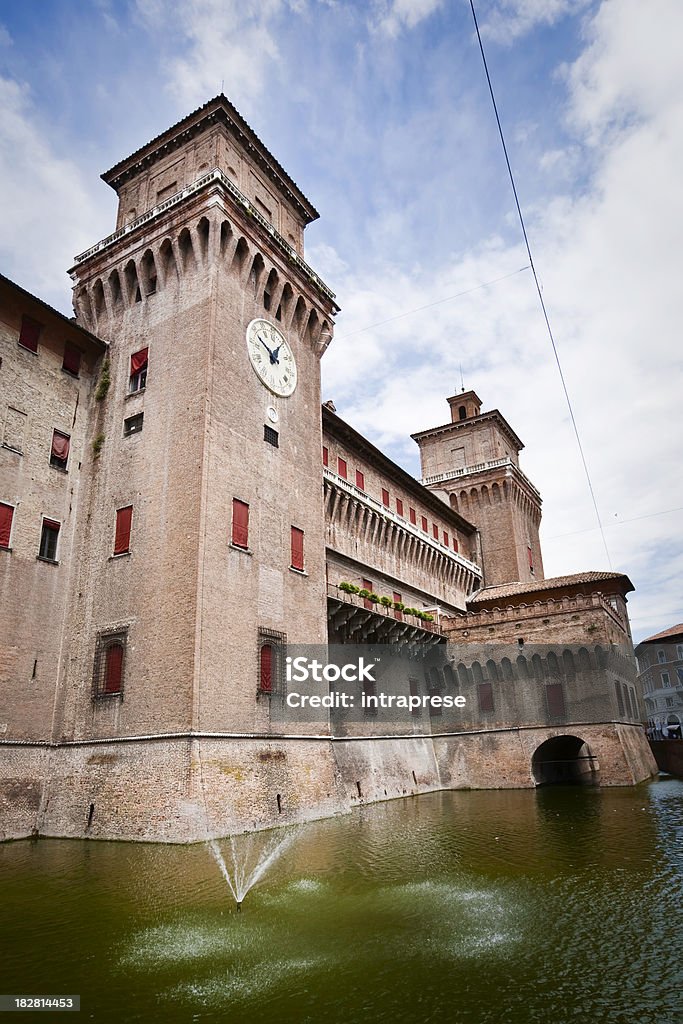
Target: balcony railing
[[196, 186], [478, 467], [377, 623]]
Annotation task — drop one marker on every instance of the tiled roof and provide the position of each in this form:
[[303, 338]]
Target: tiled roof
[[554, 583], [220, 102], [668, 634]]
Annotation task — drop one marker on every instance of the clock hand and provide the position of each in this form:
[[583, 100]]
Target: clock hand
[[273, 355]]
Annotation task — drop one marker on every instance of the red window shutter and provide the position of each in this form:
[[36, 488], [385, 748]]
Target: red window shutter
[[51, 524], [72, 359], [397, 614], [554, 695], [413, 517], [240, 523], [326, 457], [266, 669], [425, 525], [455, 543], [485, 696], [113, 668], [124, 518], [399, 506], [435, 531], [385, 497], [341, 468], [360, 480], [445, 538], [29, 333], [60, 445], [297, 548], [138, 361], [6, 516], [367, 585]]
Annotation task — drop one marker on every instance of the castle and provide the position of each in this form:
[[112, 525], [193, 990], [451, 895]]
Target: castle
[[175, 510]]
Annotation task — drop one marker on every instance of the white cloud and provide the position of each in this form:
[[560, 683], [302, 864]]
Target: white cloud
[[40, 187], [392, 16], [510, 19], [227, 45], [609, 257]]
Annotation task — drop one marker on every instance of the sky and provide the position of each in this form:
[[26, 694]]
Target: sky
[[380, 112]]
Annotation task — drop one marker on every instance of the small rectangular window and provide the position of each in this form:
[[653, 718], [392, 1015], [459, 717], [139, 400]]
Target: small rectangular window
[[661, 657], [341, 468], [271, 436], [133, 424], [620, 698], [360, 480], [435, 531], [48, 540], [445, 538], [138, 371], [110, 655], [530, 557], [425, 524], [6, 517], [414, 685], [399, 507], [297, 545], [385, 497], [398, 614], [485, 696], [666, 681], [29, 333], [554, 695], [124, 519], [455, 543], [59, 454], [72, 359], [240, 523], [326, 457], [413, 516]]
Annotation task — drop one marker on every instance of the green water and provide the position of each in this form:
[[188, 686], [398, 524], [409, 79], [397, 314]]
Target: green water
[[555, 906]]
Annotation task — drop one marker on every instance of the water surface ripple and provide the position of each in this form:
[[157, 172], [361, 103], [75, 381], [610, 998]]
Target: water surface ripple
[[562, 906]]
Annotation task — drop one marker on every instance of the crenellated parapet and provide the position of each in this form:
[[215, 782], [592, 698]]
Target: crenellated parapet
[[209, 227]]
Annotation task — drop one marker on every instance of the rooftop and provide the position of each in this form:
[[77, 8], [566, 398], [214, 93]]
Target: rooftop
[[219, 109], [672, 634], [531, 587]]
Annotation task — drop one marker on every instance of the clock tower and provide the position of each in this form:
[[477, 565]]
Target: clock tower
[[207, 432]]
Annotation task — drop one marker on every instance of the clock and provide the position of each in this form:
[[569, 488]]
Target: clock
[[271, 357]]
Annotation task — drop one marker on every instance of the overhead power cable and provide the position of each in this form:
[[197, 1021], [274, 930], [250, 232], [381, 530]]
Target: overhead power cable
[[537, 283], [619, 522], [437, 302]]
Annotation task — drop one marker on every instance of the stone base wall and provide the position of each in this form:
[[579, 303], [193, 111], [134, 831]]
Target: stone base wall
[[190, 789]]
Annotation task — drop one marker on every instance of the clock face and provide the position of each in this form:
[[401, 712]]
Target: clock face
[[271, 357]]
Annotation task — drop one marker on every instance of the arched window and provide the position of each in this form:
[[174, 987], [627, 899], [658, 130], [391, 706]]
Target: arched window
[[462, 412], [108, 675], [271, 659]]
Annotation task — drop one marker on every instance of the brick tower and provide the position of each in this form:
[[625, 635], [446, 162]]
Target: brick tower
[[203, 523], [473, 462]]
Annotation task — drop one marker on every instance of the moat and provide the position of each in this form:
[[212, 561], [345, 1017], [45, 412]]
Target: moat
[[557, 905]]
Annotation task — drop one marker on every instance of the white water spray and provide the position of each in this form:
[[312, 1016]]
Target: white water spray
[[250, 857]]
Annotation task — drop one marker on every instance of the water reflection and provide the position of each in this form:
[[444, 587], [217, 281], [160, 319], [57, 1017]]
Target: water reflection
[[468, 906]]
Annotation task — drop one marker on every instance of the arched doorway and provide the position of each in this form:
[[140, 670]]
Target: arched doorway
[[564, 760]]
